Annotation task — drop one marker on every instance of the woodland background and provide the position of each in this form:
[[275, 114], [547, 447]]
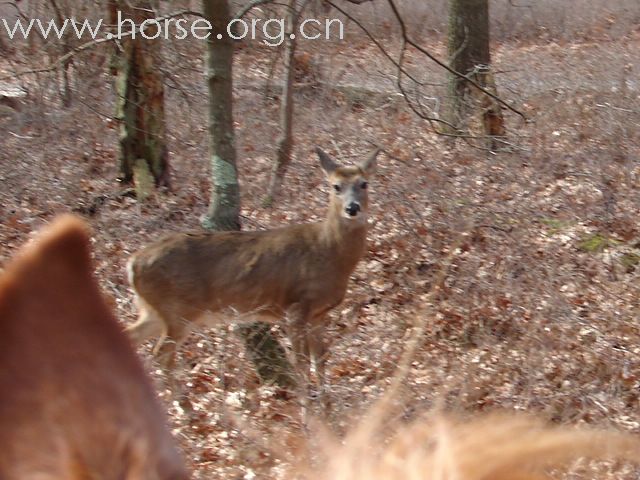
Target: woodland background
[[538, 241]]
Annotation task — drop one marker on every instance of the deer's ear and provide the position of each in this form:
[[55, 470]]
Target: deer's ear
[[327, 163], [368, 165]]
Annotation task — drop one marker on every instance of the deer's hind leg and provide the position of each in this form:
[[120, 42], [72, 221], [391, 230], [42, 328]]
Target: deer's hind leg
[[166, 353], [150, 324], [171, 332], [167, 347]]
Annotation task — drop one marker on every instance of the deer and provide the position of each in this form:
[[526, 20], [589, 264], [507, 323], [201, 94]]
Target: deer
[[294, 274], [75, 401]]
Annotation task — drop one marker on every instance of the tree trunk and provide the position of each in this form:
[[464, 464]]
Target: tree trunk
[[143, 156], [224, 205], [65, 94], [266, 353], [264, 349], [469, 109], [285, 142]]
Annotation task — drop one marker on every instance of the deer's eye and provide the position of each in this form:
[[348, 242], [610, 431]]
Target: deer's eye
[[337, 188], [364, 185]]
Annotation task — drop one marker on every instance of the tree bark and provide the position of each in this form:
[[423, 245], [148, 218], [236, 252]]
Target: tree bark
[[470, 55], [143, 151], [224, 205], [284, 145], [266, 353]]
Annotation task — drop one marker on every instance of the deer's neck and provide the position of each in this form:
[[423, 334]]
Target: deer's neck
[[345, 237]]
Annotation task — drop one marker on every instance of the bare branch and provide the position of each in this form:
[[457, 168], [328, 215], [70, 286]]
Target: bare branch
[[433, 121], [374, 40], [426, 53], [20, 13], [250, 6]]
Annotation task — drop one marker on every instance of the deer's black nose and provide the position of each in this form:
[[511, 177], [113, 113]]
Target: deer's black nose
[[352, 209]]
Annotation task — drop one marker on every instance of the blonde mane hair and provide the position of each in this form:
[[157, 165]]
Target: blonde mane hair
[[494, 446]]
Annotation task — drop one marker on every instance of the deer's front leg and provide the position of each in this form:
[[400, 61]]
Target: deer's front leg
[[298, 330], [318, 354]]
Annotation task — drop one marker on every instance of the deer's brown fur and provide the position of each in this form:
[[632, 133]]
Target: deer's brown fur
[[298, 272], [74, 401]]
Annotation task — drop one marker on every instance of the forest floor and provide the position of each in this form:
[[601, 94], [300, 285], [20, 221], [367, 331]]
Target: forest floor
[[539, 244]]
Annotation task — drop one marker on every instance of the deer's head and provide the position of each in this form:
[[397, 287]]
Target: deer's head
[[349, 185]]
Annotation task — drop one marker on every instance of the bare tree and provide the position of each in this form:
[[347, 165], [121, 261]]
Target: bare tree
[[470, 55], [285, 141], [65, 48], [224, 206], [143, 155], [410, 85]]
